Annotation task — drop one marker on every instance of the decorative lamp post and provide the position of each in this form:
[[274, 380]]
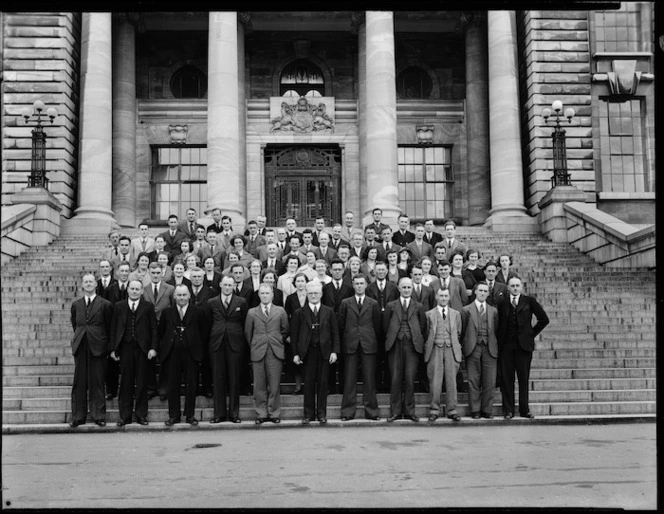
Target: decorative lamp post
[[38, 168], [560, 175]]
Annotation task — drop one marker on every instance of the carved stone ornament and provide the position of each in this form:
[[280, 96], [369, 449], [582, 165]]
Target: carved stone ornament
[[178, 134], [302, 117], [424, 134], [624, 79]]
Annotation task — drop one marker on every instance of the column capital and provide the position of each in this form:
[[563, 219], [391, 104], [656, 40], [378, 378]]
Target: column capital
[[357, 18], [473, 19], [244, 17]]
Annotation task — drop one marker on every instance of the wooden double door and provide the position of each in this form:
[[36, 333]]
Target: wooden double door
[[302, 182]]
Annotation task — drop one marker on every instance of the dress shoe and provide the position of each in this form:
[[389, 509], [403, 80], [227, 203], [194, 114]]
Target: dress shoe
[[487, 415], [372, 418], [509, 415], [528, 415], [123, 422], [306, 421], [297, 391], [322, 421], [392, 418], [412, 417], [260, 421], [276, 421], [171, 421], [432, 418], [100, 423], [475, 415], [75, 424], [454, 417], [192, 421], [236, 420], [217, 420], [142, 421]]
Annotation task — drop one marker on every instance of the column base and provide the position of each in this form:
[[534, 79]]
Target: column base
[[47, 220], [89, 223], [504, 222]]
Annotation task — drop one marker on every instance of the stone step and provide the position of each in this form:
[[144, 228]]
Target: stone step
[[583, 343], [36, 392], [36, 380], [590, 354], [592, 373], [592, 384], [645, 362]]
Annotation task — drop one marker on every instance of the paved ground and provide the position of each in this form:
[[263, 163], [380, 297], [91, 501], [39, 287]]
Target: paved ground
[[605, 466]]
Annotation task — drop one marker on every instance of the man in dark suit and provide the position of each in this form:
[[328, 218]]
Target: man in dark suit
[[266, 329], [430, 235], [124, 255], [106, 278], [273, 261], [378, 227], [451, 242], [243, 289], [426, 296], [498, 292], [325, 251], [314, 335], [386, 244], [480, 348], [261, 229], [226, 315], [215, 226], [403, 236], [173, 237], [134, 340], [188, 226], [516, 341], [404, 322], [182, 330], [333, 293], [336, 238], [291, 226], [317, 230], [419, 247], [359, 326], [200, 294], [384, 292], [91, 318], [114, 293]]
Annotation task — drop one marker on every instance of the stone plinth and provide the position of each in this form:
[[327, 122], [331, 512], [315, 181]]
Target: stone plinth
[[552, 216], [46, 219]]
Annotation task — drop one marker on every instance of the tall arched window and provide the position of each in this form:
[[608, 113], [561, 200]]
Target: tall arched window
[[302, 78], [413, 82], [189, 82]]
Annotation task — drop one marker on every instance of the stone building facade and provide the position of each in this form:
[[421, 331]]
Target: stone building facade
[[436, 114]]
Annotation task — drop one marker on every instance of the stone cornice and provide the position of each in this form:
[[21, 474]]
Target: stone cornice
[[357, 18]]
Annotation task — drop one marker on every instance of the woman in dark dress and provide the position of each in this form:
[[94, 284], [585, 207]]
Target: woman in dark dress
[[295, 301]]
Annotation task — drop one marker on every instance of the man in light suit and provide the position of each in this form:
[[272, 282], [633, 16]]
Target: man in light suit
[[404, 322], [419, 247], [266, 329], [516, 342], [199, 245], [442, 353], [452, 244], [359, 327], [480, 348], [314, 335], [112, 250], [270, 237], [386, 244], [348, 228], [134, 340], [188, 226], [326, 252], [357, 245], [91, 318], [142, 243], [182, 330], [214, 250], [226, 315]]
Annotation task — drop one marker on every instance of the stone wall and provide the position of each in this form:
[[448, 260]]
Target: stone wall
[[554, 65], [41, 62]]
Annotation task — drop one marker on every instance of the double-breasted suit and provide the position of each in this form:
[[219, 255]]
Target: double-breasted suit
[[389, 293], [359, 329], [172, 245], [131, 341], [266, 335], [90, 347], [200, 299], [442, 353], [332, 297], [162, 302], [405, 332], [314, 339], [480, 348], [227, 346]]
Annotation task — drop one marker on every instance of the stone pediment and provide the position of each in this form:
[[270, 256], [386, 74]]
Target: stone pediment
[[302, 115]]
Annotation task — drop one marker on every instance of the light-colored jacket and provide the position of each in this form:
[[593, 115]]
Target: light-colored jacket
[[455, 331], [261, 331]]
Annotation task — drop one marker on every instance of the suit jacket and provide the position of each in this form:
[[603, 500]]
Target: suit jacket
[[333, 297], [500, 276], [252, 246], [104, 291], [146, 325], [525, 310], [471, 323], [498, 294], [136, 247], [263, 331], [456, 246], [201, 299], [329, 255], [183, 226], [301, 331], [403, 239], [427, 250], [458, 295], [416, 321], [277, 299], [172, 245], [114, 294], [200, 247], [193, 335], [355, 253], [245, 259], [96, 326], [163, 300], [279, 266], [314, 234], [378, 228], [434, 239], [292, 303], [117, 260], [336, 244], [391, 293], [262, 253], [382, 252], [359, 329], [456, 326], [108, 253], [225, 241], [218, 254], [227, 324], [426, 297]]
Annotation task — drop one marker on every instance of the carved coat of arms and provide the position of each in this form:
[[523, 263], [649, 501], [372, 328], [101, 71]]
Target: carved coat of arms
[[303, 117]]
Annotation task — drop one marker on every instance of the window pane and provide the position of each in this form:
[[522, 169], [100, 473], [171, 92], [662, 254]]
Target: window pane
[[418, 173], [185, 156]]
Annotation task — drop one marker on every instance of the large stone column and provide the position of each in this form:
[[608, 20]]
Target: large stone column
[[381, 117], [95, 179], [226, 181], [477, 118], [124, 121], [508, 212], [359, 27]]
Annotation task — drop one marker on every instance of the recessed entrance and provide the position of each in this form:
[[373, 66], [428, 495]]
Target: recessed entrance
[[302, 182]]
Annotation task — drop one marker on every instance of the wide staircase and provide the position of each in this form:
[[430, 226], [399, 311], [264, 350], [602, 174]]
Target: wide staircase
[[596, 357]]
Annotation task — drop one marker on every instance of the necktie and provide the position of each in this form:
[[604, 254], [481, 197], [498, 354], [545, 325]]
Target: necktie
[[155, 291], [172, 234], [444, 315], [191, 228], [266, 310], [337, 284], [181, 312], [359, 303], [226, 302], [417, 289], [124, 257], [514, 301], [381, 286], [143, 244], [122, 287], [315, 311], [481, 309], [133, 307], [239, 288], [87, 301], [404, 304]]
